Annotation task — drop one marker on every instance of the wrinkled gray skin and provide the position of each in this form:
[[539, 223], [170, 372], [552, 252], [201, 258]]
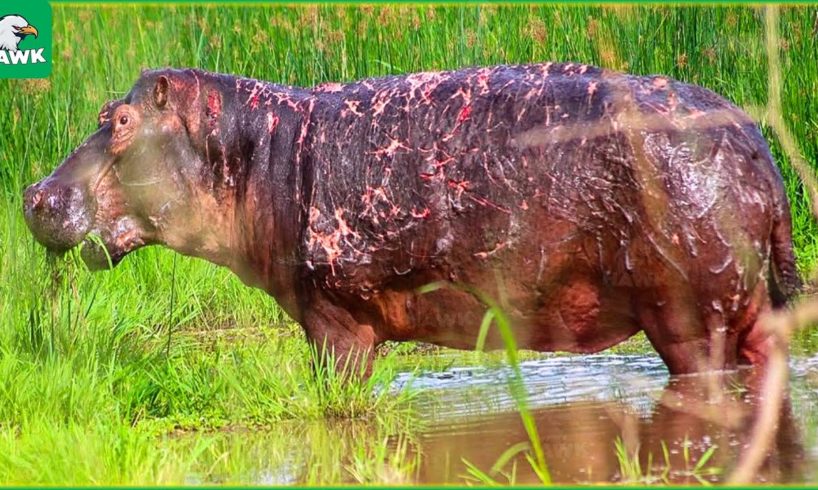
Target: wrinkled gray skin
[[590, 204]]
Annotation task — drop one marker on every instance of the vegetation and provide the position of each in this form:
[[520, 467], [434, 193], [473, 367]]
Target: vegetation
[[99, 373]]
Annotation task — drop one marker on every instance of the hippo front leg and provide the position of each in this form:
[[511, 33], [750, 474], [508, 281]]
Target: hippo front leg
[[335, 334]]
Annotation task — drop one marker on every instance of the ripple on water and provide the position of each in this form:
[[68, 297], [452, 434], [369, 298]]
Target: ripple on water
[[462, 391]]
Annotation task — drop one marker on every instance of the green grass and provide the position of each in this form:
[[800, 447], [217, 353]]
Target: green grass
[[97, 369]]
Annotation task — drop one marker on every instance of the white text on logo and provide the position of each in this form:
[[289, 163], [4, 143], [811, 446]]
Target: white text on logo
[[29, 56]]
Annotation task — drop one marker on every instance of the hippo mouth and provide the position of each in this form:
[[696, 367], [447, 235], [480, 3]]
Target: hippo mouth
[[101, 250], [98, 256]]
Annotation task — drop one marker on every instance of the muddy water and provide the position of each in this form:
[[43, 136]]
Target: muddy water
[[583, 405], [584, 408]]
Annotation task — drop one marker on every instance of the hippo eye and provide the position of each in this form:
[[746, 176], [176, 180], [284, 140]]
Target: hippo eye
[[124, 120]]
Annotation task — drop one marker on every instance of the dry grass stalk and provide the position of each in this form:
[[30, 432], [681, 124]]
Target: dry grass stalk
[[780, 324]]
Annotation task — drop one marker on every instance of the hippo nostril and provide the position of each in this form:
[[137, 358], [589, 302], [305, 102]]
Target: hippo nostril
[[32, 196], [36, 199]]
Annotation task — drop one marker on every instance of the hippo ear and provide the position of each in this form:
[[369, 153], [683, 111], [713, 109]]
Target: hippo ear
[[160, 91]]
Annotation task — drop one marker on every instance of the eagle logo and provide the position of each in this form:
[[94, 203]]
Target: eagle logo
[[13, 28]]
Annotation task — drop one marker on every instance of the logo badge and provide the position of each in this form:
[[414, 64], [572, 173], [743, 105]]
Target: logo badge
[[25, 39]]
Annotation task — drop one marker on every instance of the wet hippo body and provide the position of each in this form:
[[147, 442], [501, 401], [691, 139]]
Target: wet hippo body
[[589, 204]]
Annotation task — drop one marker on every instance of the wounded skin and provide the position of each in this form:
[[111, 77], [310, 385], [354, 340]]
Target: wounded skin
[[590, 204]]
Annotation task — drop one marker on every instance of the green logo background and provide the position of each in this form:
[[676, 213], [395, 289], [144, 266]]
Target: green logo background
[[38, 14]]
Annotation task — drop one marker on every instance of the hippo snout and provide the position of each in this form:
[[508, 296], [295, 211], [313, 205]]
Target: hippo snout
[[58, 215]]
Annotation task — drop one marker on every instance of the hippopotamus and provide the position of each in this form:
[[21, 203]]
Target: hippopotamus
[[589, 204]]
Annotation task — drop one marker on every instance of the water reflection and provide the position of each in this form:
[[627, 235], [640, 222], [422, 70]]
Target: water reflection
[[582, 406], [579, 440], [296, 452]]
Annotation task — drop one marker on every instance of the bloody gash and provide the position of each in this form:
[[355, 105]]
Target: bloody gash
[[589, 204]]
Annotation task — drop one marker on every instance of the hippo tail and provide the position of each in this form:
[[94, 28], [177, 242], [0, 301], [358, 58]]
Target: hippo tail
[[784, 281]]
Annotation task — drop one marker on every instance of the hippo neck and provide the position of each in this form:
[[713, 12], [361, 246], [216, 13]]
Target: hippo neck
[[268, 126]]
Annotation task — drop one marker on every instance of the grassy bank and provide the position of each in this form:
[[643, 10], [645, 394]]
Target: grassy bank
[[101, 368]]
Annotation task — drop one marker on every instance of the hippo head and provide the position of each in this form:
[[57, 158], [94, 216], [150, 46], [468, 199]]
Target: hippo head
[[136, 181]]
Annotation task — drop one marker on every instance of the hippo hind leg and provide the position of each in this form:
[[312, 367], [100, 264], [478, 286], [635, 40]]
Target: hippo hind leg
[[754, 341], [689, 338]]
